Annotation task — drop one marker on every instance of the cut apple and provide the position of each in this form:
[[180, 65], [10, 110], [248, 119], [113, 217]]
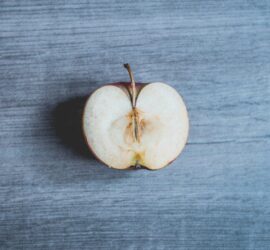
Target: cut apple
[[128, 124]]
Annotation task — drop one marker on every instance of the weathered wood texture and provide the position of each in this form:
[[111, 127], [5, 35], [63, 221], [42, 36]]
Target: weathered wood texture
[[54, 195]]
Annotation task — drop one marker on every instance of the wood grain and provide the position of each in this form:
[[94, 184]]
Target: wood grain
[[54, 195]]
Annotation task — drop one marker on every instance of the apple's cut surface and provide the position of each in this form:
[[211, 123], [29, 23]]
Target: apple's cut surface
[[128, 125]]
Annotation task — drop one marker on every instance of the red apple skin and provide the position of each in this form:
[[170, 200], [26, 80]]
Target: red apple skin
[[126, 85], [139, 87]]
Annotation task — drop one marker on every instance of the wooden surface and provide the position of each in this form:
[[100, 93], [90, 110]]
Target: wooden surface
[[54, 195]]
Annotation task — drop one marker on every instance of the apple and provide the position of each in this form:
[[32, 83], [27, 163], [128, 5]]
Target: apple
[[130, 124]]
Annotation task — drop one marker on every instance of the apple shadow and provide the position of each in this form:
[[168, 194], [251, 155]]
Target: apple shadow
[[67, 121]]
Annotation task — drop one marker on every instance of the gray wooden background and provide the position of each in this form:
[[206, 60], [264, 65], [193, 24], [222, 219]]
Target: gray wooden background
[[54, 195]]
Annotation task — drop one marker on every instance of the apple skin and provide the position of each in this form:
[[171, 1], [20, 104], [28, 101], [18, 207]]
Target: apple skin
[[126, 85]]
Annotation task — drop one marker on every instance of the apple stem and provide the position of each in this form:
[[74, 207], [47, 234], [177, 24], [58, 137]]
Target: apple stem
[[133, 84], [133, 97]]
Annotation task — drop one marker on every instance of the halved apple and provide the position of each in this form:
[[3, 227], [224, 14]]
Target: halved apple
[[129, 124]]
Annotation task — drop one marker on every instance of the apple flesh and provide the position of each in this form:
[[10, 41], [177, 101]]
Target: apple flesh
[[129, 124]]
